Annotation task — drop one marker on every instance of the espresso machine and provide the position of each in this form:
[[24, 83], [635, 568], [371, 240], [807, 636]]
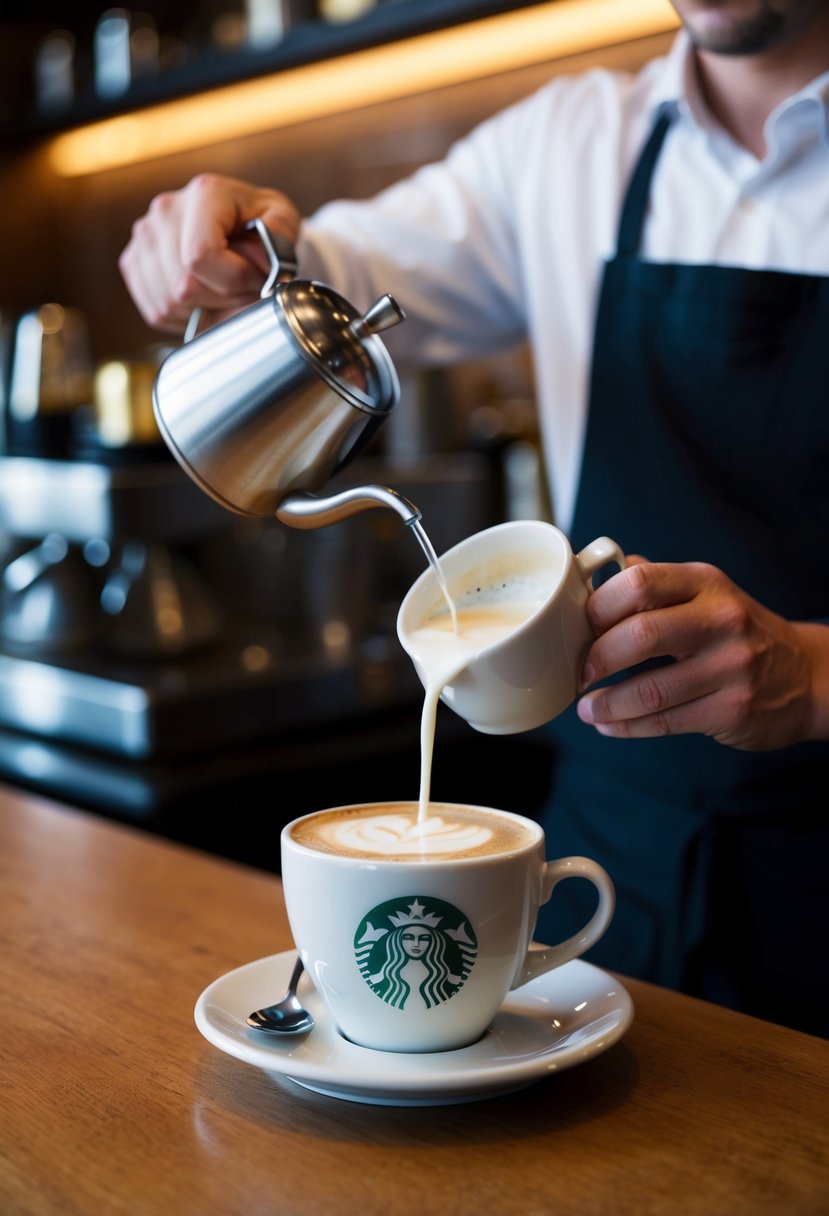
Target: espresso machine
[[162, 656]]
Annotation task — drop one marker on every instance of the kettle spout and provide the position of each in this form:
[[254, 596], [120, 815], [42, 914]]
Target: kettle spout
[[303, 510]]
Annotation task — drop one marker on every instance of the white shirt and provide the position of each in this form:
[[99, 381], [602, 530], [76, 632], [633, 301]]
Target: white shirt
[[505, 239]]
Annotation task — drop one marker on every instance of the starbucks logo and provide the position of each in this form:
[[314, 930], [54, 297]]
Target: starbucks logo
[[415, 951]]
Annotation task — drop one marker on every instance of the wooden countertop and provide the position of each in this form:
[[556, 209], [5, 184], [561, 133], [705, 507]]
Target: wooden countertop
[[111, 1102]]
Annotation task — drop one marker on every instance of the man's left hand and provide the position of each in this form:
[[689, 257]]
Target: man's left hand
[[742, 675]]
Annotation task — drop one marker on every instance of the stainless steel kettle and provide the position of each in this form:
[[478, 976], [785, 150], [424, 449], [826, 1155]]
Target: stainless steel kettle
[[262, 409]]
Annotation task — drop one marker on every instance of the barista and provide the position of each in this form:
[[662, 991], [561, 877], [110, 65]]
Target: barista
[[663, 241]]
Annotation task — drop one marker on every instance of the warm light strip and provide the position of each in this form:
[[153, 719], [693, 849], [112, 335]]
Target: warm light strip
[[414, 65]]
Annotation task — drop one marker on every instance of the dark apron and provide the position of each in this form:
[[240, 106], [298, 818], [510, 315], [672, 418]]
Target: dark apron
[[707, 440]]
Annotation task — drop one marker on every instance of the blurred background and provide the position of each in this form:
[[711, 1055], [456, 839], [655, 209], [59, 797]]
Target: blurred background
[[162, 660]]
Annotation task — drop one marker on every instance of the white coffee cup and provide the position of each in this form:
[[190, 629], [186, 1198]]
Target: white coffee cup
[[531, 675], [359, 921]]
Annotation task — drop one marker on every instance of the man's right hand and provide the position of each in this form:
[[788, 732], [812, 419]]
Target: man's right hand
[[191, 250]]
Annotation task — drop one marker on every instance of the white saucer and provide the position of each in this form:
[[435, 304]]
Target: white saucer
[[554, 1022]]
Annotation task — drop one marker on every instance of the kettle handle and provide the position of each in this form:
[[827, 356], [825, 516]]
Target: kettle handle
[[282, 257], [281, 254]]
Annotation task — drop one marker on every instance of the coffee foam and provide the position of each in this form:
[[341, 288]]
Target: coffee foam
[[394, 833]]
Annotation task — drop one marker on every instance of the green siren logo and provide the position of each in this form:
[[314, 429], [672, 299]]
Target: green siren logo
[[415, 951]]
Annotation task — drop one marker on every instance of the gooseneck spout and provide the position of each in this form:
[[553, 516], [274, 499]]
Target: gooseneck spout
[[303, 510]]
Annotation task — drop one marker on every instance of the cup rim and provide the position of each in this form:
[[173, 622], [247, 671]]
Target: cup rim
[[427, 576], [375, 861]]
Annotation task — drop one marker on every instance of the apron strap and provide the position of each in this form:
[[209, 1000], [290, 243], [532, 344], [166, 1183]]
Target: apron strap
[[638, 191]]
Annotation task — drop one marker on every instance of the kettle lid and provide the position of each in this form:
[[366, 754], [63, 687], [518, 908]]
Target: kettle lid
[[341, 343]]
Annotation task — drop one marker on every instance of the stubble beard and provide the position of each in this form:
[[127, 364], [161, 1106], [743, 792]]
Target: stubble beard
[[764, 29]]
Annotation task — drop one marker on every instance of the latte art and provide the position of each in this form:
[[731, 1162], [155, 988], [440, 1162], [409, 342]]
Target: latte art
[[394, 833]]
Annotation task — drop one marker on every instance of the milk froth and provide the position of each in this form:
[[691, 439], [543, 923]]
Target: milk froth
[[393, 833]]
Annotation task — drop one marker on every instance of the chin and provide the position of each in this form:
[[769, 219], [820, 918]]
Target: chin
[[736, 27]]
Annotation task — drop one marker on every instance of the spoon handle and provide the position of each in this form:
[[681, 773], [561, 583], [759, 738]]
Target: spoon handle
[[299, 967]]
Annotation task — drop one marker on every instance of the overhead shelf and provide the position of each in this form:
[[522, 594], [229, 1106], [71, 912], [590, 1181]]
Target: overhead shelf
[[309, 42], [362, 73]]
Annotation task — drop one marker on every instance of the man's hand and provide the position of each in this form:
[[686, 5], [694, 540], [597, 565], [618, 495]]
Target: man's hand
[[180, 255], [742, 674]]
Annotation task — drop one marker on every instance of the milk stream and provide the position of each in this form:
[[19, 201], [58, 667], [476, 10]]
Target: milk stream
[[442, 651]]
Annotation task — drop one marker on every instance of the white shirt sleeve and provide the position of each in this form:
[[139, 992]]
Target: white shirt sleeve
[[442, 242]]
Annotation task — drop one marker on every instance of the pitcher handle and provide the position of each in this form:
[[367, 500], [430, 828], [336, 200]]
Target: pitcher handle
[[597, 554], [283, 266]]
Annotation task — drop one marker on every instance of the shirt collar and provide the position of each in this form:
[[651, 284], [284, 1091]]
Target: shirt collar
[[810, 104]]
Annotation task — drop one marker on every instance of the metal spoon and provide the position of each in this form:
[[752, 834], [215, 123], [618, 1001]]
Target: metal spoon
[[287, 1016]]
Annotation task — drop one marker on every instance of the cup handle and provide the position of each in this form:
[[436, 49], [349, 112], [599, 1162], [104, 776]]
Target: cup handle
[[597, 554], [540, 959]]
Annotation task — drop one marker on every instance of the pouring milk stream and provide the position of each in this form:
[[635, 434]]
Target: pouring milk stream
[[486, 606], [491, 607]]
